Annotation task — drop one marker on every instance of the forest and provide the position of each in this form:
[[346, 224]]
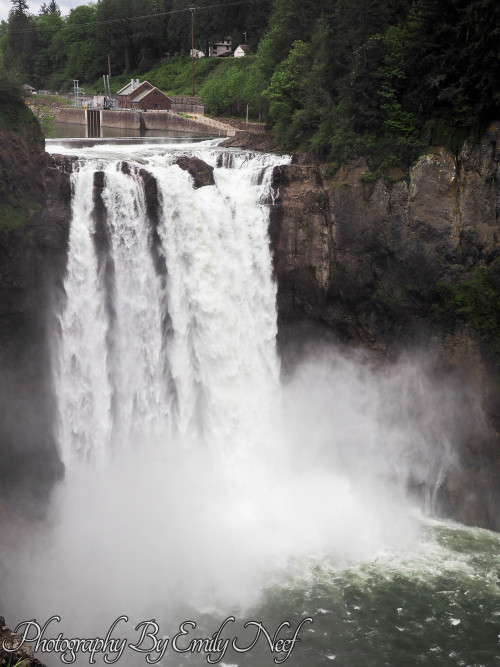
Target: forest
[[382, 79]]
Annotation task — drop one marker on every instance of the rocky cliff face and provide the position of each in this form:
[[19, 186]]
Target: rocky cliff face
[[34, 225], [393, 263]]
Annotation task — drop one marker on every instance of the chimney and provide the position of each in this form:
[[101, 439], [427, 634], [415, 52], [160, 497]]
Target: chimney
[[132, 84]]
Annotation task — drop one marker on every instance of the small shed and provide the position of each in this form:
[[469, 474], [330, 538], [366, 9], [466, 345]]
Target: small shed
[[241, 51]]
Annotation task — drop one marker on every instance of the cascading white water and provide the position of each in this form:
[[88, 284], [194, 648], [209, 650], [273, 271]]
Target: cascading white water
[[211, 376], [170, 378]]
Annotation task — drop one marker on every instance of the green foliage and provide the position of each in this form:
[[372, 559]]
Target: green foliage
[[225, 87], [12, 217], [21, 40], [43, 107], [378, 79], [174, 75], [11, 91], [47, 24], [351, 88], [18, 662], [50, 50], [368, 177], [15, 116], [285, 90], [473, 300], [14, 113], [454, 60]]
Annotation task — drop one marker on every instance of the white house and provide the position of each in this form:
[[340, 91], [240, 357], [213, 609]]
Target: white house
[[222, 48], [196, 53], [241, 51]]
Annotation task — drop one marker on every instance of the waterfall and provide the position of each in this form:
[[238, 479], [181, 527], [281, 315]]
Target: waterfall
[[171, 407], [169, 328]]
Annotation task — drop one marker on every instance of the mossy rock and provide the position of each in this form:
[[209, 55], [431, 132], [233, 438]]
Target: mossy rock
[[15, 214], [474, 299]]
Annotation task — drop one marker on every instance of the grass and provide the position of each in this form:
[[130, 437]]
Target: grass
[[17, 664], [173, 76], [40, 100]]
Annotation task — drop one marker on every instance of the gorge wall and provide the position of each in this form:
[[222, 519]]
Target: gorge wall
[[34, 221], [397, 264]]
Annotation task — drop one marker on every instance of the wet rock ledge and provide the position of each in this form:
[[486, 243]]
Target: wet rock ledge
[[11, 640]]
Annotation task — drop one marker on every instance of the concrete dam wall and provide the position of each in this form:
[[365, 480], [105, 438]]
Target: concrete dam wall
[[151, 120]]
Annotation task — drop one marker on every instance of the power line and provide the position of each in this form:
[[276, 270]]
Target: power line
[[131, 18]]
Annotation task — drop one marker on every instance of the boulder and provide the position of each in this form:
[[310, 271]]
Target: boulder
[[202, 173], [11, 640]]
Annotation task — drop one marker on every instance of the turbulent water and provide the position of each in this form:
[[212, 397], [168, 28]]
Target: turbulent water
[[201, 486]]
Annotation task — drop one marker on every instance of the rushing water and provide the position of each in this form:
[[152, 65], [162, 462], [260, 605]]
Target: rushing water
[[202, 486]]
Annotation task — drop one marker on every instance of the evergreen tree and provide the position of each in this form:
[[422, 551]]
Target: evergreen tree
[[51, 8], [22, 40], [47, 25], [19, 8]]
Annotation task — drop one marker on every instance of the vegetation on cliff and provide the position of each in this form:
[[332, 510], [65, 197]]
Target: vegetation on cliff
[[474, 299], [13, 111], [377, 79], [20, 135]]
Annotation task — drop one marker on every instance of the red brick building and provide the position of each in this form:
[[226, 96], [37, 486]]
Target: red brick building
[[149, 100], [142, 97]]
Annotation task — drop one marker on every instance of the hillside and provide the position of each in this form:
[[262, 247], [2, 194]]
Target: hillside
[[381, 79]]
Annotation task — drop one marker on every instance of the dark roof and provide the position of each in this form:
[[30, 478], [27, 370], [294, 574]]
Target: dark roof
[[145, 93], [129, 88]]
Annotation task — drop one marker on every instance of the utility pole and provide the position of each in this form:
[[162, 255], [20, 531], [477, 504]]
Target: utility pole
[[192, 9]]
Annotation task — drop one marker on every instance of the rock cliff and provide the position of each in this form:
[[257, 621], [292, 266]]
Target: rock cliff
[[34, 223], [395, 263]]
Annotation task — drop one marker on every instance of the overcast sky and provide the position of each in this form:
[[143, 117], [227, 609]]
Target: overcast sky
[[34, 7]]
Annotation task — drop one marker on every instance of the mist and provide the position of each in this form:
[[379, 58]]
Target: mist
[[167, 527]]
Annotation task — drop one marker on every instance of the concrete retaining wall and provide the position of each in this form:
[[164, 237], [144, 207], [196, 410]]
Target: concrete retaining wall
[[170, 121], [76, 116], [195, 109], [130, 120], [157, 120], [185, 99], [259, 128]]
